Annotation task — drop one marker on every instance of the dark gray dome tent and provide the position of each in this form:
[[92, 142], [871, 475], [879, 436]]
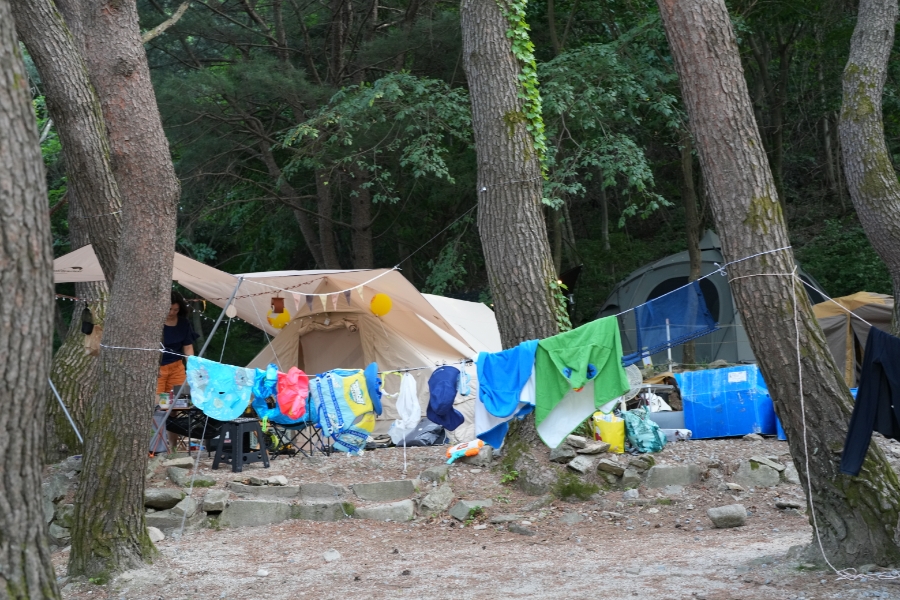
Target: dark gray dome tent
[[729, 342]]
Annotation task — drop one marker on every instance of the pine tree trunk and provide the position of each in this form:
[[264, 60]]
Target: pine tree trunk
[[325, 208], [510, 221], [870, 175], [856, 517], [26, 332], [75, 109], [361, 221], [109, 533]]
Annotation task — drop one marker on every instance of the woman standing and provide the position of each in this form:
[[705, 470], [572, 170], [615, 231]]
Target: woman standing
[[178, 339]]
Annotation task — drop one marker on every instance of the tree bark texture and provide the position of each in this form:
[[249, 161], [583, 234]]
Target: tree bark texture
[[26, 332], [856, 517], [510, 220], [325, 208], [361, 221], [870, 175], [75, 109], [109, 533]]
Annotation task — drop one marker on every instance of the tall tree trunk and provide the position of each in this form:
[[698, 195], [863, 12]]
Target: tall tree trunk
[[871, 178], [109, 533], [556, 220], [361, 221], [691, 225], [830, 177], [325, 208], [510, 221], [26, 334], [856, 517], [74, 107], [604, 218]]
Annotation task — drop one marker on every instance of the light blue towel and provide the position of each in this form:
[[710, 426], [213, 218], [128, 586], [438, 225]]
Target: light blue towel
[[222, 392], [502, 375]]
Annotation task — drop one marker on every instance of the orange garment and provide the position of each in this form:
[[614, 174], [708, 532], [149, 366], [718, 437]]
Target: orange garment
[[170, 376]]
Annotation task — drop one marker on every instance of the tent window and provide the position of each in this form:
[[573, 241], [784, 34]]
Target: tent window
[[707, 288]]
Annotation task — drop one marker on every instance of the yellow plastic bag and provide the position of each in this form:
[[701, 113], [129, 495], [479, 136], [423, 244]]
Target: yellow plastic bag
[[610, 429]]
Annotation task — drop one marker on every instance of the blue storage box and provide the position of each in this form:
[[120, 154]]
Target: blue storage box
[[726, 402]]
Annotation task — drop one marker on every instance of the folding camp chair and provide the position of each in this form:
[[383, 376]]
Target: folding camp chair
[[303, 438]]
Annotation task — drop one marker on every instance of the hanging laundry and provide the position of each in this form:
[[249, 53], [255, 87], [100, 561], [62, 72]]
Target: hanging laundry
[[492, 429], [265, 383], [877, 405], [344, 407], [222, 392], [687, 315], [373, 382], [293, 389], [408, 409], [576, 373], [442, 387], [265, 397], [501, 376]]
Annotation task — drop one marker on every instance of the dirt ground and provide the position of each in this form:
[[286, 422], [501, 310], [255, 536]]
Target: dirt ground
[[659, 547]]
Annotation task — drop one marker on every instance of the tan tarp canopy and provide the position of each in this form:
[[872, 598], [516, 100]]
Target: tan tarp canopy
[[847, 335], [419, 331]]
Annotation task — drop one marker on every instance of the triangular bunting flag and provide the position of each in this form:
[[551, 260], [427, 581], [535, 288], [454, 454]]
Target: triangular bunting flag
[[324, 299], [296, 303], [334, 299], [347, 296], [359, 289], [309, 301]]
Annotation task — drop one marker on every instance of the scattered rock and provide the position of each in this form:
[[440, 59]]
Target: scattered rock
[[783, 504], [65, 515], [662, 475], [215, 501], [641, 463], [155, 534], [252, 480], [753, 474], [331, 555], [186, 508], [631, 495], [482, 459], [673, 490], [497, 519], [460, 510], [753, 437], [571, 518], [790, 475], [732, 515], [541, 502], [515, 528], [581, 464], [162, 498], [594, 448], [60, 534], [577, 441], [384, 491], [610, 466], [562, 453], [768, 462], [630, 478], [437, 473], [277, 480], [180, 477], [262, 573], [437, 500]]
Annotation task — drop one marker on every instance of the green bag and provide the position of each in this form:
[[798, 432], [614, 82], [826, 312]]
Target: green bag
[[642, 433]]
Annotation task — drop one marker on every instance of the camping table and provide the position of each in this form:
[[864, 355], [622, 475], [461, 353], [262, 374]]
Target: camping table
[[159, 436]]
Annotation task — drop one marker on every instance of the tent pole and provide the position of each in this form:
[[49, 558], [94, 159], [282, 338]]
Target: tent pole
[[68, 416], [159, 431]]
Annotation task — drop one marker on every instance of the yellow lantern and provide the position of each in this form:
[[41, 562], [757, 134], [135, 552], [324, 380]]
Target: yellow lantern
[[381, 305], [278, 320]]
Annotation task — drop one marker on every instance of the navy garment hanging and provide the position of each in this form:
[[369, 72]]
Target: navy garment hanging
[[688, 317], [877, 405]]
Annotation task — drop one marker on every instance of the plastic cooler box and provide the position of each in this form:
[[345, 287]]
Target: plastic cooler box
[[726, 402]]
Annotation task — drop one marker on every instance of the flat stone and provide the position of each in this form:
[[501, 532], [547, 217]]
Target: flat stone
[[65, 515], [155, 535], [277, 480], [168, 521], [262, 573], [384, 491], [498, 519], [516, 528], [184, 462], [437, 473], [594, 448], [731, 515], [571, 518], [178, 476], [187, 507], [253, 480], [753, 437], [630, 478], [581, 464], [768, 462], [562, 453], [331, 555], [753, 474], [787, 504], [577, 441], [162, 498], [265, 491], [545, 500], [641, 463], [662, 475], [460, 510], [790, 475], [482, 459], [398, 512], [610, 466], [254, 513], [631, 495], [734, 487], [60, 534], [322, 511], [437, 500], [673, 490], [215, 501], [321, 491]]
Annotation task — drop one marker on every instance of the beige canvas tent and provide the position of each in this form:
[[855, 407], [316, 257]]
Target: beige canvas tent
[[847, 335], [331, 325]]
